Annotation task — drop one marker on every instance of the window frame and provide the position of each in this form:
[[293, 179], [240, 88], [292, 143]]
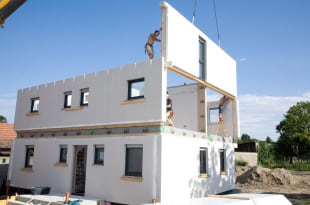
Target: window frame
[[84, 100], [131, 95], [202, 59], [29, 155], [63, 152], [97, 150], [35, 107], [213, 113], [203, 160], [68, 99], [222, 154], [133, 170]]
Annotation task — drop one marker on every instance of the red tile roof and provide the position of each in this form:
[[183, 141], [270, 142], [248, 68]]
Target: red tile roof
[[7, 131]]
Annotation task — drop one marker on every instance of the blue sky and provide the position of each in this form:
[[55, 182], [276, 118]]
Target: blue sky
[[45, 41]]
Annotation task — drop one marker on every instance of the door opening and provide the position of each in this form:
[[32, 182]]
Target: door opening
[[79, 169]]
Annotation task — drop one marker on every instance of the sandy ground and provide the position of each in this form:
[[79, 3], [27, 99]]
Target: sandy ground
[[294, 185]]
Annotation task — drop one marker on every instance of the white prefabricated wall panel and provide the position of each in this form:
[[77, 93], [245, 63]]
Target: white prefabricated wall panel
[[108, 90], [102, 181], [184, 103], [170, 167], [181, 44], [180, 169]]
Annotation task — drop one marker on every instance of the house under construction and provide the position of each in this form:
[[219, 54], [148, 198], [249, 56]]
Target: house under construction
[[104, 134]]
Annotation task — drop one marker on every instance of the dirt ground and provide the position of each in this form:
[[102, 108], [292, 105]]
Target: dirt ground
[[294, 185]]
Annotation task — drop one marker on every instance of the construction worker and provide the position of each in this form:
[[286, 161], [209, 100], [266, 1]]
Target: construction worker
[[169, 112], [221, 107], [149, 44]]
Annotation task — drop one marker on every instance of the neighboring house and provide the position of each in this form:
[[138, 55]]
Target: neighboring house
[[7, 135], [104, 134]]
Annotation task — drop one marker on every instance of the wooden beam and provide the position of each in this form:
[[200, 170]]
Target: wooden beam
[[201, 82]]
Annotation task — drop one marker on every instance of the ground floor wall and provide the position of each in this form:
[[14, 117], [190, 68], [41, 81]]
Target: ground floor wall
[[181, 177], [170, 167], [106, 181]]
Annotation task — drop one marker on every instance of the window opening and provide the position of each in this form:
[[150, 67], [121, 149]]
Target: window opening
[[84, 97], [213, 115], [136, 89], [99, 154], [203, 160], [202, 59], [68, 99], [63, 154], [222, 160], [35, 102], [29, 156], [133, 164]]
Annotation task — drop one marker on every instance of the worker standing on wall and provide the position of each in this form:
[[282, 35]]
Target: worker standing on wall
[[169, 112], [150, 41]]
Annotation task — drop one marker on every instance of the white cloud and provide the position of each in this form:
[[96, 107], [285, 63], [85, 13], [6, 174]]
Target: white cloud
[[259, 115], [242, 59]]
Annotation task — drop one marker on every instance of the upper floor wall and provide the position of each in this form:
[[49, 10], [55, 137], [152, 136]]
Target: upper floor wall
[[133, 94], [129, 94], [187, 48]]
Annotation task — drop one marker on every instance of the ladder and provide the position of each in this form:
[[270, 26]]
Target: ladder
[[221, 126]]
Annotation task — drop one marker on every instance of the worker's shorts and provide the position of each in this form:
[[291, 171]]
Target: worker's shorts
[[149, 49]]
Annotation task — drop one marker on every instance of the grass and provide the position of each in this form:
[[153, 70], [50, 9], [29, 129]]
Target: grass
[[296, 166]]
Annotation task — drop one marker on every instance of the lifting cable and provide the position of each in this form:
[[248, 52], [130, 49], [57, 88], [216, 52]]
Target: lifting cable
[[216, 22], [194, 12], [217, 27]]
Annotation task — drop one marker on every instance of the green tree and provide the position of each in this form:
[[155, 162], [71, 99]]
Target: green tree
[[268, 139], [3, 119], [245, 138], [265, 155], [294, 129]]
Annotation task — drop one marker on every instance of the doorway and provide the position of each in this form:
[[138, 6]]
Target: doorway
[[79, 169]]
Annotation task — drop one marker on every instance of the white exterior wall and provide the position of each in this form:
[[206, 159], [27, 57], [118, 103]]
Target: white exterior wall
[[185, 106], [181, 49], [180, 169], [101, 181], [170, 167], [108, 91]]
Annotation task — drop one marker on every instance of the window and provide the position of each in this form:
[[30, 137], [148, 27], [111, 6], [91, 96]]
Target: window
[[222, 160], [136, 89], [203, 160], [29, 156], [84, 97], [133, 164], [99, 154], [202, 58], [68, 99], [214, 115], [35, 102], [63, 153], [3, 160]]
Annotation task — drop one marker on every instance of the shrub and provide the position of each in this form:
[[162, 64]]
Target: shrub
[[241, 163]]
